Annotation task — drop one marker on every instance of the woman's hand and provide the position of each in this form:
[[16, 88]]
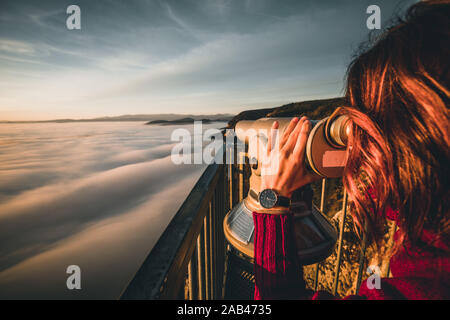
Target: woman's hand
[[284, 168]]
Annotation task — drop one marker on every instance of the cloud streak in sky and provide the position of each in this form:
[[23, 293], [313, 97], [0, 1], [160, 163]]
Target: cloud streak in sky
[[174, 56]]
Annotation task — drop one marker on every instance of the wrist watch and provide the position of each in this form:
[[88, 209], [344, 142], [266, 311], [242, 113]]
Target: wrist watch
[[269, 198]]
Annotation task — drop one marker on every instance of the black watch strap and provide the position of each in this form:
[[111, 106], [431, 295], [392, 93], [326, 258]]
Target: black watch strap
[[284, 201]]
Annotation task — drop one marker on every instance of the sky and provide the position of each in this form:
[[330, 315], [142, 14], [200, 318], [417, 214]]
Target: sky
[[178, 56]]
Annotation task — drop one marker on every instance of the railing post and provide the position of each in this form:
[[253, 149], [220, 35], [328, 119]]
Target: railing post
[[386, 270], [193, 274], [225, 206], [362, 255], [211, 247], [341, 236], [235, 178], [190, 281], [230, 177], [200, 266], [206, 251], [241, 175], [217, 258], [322, 210]]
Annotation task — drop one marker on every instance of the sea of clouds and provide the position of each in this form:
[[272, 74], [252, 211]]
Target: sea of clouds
[[97, 195]]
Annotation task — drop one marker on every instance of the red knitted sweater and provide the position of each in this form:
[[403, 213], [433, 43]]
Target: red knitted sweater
[[418, 273]]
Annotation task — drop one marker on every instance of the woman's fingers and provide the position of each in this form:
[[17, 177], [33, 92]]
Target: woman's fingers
[[290, 144], [272, 136], [288, 131], [300, 145]]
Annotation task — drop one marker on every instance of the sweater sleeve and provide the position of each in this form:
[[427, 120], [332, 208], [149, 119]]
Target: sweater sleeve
[[418, 274], [278, 274]]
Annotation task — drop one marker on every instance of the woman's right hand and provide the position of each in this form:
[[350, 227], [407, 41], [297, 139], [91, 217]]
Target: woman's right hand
[[284, 169]]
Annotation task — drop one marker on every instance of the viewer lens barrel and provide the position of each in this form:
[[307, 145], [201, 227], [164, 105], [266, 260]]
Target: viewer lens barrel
[[325, 149]]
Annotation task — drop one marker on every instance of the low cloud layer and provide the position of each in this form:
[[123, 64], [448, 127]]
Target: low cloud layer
[[69, 192]]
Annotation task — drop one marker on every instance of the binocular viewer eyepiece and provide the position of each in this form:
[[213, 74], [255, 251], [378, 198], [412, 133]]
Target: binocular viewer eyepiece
[[325, 148], [325, 154]]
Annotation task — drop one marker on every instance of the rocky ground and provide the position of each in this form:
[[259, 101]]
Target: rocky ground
[[351, 252]]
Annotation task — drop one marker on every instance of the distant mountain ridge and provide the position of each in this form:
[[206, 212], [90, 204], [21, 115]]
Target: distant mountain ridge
[[314, 109], [185, 121], [138, 117]]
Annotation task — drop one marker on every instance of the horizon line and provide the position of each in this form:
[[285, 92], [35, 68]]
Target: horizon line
[[122, 117]]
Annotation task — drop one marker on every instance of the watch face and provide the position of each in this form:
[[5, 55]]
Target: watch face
[[268, 198]]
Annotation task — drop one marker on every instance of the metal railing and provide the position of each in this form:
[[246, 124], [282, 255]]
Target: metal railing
[[188, 261], [362, 263]]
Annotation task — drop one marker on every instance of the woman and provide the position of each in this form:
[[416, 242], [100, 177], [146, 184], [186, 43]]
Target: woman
[[397, 157]]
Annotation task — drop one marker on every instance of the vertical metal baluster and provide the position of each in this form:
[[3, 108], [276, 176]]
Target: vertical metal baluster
[[206, 251], [223, 208], [190, 284], [362, 255], [230, 176], [214, 238], [213, 244], [322, 209], [241, 176], [225, 270], [217, 257], [392, 229], [210, 250], [214, 253], [194, 274], [221, 245], [235, 173], [200, 266], [341, 235]]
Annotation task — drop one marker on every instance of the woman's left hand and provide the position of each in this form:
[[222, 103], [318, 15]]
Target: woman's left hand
[[284, 168]]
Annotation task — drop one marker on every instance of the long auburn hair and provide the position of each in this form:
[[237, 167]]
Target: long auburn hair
[[399, 148]]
